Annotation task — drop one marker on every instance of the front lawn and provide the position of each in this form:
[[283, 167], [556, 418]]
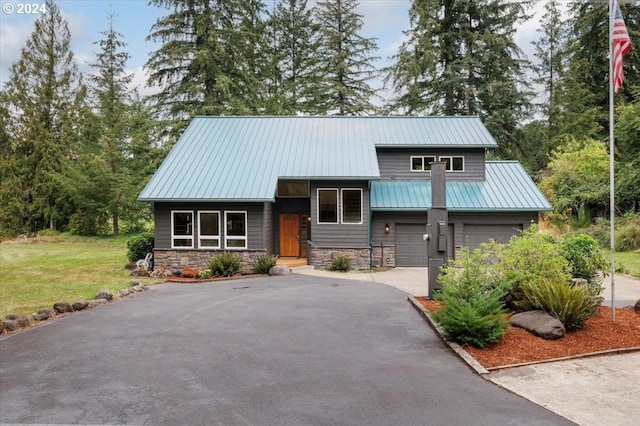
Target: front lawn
[[37, 273], [630, 261]]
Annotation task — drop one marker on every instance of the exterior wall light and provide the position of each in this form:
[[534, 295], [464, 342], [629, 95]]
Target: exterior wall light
[[386, 228]]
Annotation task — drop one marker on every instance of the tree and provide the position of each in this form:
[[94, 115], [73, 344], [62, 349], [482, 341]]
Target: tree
[[210, 60], [627, 139], [43, 99], [460, 58], [588, 53], [296, 76], [347, 66]]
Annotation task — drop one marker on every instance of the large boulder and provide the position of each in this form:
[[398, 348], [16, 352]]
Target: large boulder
[[540, 324], [9, 325], [280, 270], [636, 307], [46, 313], [104, 294], [80, 305]]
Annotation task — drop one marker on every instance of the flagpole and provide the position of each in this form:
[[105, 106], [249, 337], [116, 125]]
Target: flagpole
[[612, 197]]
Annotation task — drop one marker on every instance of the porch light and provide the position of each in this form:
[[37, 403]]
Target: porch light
[[386, 228]]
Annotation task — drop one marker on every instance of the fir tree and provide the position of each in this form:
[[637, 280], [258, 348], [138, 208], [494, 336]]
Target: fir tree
[[210, 60], [460, 58], [43, 100], [346, 58], [295, 67]]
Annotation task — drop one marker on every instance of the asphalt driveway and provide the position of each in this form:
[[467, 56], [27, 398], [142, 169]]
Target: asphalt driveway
[[294, 350]]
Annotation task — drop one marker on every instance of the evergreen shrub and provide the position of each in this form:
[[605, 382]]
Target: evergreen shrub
[[225, 265], [139, 246], [264, 263], [473, 311], [341, 264]]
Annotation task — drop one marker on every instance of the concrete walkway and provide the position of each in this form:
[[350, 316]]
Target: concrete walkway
[[589, 391]]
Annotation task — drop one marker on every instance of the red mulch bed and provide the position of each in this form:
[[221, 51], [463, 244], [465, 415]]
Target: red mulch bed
[[519, 346]]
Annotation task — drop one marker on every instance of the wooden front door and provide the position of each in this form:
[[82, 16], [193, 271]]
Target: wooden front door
[[289, 234]]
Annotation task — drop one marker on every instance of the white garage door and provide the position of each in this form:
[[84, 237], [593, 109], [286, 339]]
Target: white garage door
[[476, 234], [411, 249]]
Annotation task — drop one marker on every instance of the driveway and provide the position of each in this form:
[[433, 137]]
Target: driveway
[[294, 350]]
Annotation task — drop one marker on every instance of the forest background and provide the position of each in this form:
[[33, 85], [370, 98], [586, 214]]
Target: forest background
[[77, 147]]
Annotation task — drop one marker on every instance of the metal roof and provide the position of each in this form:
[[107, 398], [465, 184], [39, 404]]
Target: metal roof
[[507, 188], [241, 158]]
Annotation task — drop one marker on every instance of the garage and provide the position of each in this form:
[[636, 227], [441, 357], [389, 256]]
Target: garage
[[411, 249], [476, 234]]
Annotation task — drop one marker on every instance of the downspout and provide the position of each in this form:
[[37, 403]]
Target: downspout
[[370, 229]]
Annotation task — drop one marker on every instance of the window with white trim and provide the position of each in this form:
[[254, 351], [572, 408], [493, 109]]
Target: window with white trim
[[351, 206], [327, 205], [181, 229], [453, 164], [422, 163], [209, 229], [235, 237]]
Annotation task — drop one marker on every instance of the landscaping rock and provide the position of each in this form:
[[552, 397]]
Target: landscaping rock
[[9, 325], [125, 292], [97, 302], [46, 313], [23, 321], [1, 327], [280, 270], [80, 305], [540, 324], [62, 307], [636, 307], [105, 294], [140, 272], [135, 283], [37, 318]]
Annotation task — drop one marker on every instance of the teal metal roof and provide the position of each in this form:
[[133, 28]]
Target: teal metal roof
[[241, 158], [507, 188]]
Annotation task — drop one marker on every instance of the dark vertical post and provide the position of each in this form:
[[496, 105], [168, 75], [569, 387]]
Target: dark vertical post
[[437, 225]]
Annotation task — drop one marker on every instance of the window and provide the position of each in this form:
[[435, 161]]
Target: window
[[453, 164], [209, 229], [327, 206], [293, 188], [235, 230], [182, 229], [422, 163], [352, 206]]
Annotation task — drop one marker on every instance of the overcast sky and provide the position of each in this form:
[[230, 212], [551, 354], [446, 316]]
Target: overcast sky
[[383, 19]]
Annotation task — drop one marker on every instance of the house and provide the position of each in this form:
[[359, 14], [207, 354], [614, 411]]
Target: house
[[319, 187]]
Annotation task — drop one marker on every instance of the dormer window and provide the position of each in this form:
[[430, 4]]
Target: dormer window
[[422, 163], [453, 164]]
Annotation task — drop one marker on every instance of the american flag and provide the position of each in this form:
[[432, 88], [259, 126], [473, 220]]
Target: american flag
[[621, 45]]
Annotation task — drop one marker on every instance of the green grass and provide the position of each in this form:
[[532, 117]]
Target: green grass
[[39, 273], [630, 261]]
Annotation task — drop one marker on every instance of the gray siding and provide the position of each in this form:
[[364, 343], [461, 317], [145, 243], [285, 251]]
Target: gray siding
[[325, 235], [267, 227], [501, 220], [395, 163], [255, 222]]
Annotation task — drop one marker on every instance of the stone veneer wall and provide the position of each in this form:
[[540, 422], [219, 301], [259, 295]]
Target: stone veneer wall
[[324, 256], [389, 256], [197, 259]]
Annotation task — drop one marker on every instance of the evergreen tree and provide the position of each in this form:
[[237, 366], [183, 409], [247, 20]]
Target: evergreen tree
[[588, 53], [347, 66], [295, 68], [210, 60], [460, 57], [43, 99]]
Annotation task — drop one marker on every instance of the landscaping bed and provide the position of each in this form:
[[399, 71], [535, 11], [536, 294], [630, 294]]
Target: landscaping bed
[[518, 346]]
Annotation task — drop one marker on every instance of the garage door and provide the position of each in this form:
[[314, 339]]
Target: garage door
[[476, 234], [411, 249]]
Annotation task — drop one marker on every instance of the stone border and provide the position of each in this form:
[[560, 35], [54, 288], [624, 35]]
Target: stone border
[[482, 371], [13, 324]]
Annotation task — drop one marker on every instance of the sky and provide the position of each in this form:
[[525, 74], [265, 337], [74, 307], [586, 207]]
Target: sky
[[386, 20]]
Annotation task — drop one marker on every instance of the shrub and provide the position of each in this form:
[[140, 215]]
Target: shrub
[[264, 263], [586, 260], [628, 238], [139, 246], [472, 311], [340, 263], [204, 274], [571, 305], [225, 265]]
